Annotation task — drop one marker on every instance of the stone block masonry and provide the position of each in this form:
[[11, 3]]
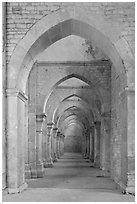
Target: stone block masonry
[[29, 28], [22, 16]]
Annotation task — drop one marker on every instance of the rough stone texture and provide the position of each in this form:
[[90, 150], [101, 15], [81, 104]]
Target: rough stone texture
[[22, 16], [92, 21], [100, 72]]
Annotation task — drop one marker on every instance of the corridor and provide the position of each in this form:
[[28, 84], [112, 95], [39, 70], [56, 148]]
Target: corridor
[[68, 86], [73, 179]]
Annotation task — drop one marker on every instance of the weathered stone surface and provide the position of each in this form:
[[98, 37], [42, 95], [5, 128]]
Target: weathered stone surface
[[108, 88]]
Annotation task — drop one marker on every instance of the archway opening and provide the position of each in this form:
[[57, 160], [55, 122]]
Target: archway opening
[[20, 65]]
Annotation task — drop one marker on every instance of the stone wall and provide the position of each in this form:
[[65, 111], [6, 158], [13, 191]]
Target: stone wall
[[118, 130], [21, 16], [73, 144], [55, 71], [73, 139]]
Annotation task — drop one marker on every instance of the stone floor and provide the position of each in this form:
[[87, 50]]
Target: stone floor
[[71, 180]]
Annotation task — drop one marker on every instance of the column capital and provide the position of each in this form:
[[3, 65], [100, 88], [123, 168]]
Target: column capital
[[55, 129], [50, 125], [126, 91], [14, 92], [41, 117], [58, 133], [61, 135]]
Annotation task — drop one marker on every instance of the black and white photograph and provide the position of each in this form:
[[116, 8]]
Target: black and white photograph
[[68, 101]]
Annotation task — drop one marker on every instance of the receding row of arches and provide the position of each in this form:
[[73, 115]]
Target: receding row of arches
[[72, 104], [65, 99]]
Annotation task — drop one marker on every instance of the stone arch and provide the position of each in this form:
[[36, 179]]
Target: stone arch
[[52, 111], [94, 110], [63, 128], [81, 74], [69, 121], [59, 25], [72, 118], [44, 33], [71, 112], [64, 106]]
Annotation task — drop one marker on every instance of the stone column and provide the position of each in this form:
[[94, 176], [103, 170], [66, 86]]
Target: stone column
[[44, 141], [58, 145], [49, 159], [15, 140], [84, 144], [63, 138], [54, 152], [32, 87], [105, 141], [26, 147], [91, 156], [61, 144], [4, 83], [130, 92], [88, 145], [128, 139], [39, 160], [97, 144]]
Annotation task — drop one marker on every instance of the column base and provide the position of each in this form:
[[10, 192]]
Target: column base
[[48, 163], [54, 157], [17, 190], [58, 156], [27, 171], [91, 158], [55, 160], [35, 171], [120, 185], [125, 189], [40, 170], [130, 188], [86, 156], [97, 162], [3, 180]]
